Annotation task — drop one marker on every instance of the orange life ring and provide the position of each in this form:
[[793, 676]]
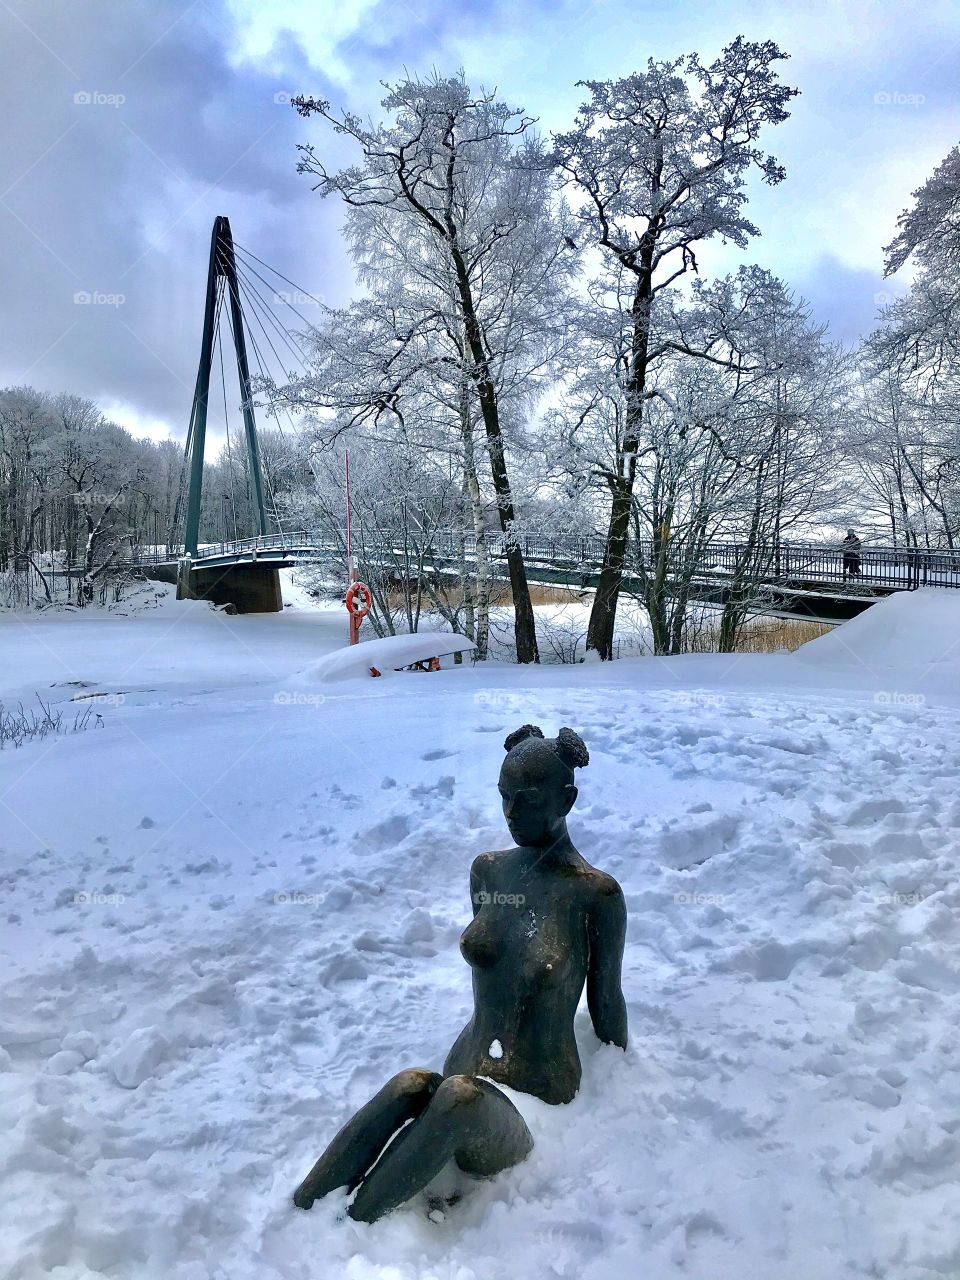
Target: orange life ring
[[358, 599]]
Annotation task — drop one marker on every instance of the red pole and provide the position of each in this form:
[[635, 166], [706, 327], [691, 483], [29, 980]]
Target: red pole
[[349, 547], [351, 571]]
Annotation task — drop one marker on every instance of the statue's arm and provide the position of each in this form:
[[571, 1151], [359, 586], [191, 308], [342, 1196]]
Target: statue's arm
[[606, 931]]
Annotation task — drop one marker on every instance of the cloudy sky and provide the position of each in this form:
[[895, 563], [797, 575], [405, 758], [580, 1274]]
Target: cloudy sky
[[130, 124]]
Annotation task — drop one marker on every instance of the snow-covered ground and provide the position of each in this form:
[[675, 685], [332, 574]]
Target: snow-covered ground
[[232, 911]]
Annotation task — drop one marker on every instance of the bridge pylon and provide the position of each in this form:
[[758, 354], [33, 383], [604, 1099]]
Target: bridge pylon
[[223, 267]]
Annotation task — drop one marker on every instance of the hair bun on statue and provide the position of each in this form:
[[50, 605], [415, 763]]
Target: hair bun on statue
[[569, 746], [572, 749], [519, 735]]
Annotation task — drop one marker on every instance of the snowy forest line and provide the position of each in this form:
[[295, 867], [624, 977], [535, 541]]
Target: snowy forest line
[[534, 348]]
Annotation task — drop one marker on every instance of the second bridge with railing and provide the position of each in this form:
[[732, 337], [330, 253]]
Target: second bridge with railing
[[810, 579]]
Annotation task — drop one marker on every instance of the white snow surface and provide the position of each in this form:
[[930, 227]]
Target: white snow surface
[[229, 914]]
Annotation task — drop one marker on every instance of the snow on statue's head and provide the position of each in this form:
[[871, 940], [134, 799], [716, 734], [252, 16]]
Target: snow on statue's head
[[536, 782]]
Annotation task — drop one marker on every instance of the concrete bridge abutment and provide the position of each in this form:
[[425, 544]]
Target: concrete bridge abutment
[[250, 588]]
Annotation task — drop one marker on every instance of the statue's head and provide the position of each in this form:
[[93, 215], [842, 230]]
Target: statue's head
[[536, 783]]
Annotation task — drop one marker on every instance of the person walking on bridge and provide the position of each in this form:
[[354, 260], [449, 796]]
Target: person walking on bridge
[[851, 555]]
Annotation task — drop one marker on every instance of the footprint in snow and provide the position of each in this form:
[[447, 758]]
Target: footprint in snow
[[345, 798], [443, 788], [871, 811], [381, 835], [686, 844]]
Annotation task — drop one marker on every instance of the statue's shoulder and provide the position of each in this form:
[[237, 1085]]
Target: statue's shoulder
[[486, 862], [602, 884]]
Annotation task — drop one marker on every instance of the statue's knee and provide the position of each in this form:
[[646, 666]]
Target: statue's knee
[[456, 1091], [413, 1081]]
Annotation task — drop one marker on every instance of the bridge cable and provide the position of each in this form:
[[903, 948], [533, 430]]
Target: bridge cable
[[272, 408], [264, 306], [257, 304], [261, 307], [218, 338], [306, 293], [266, 471], [252, 295]]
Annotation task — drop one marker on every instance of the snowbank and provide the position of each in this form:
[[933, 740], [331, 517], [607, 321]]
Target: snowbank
[[911, 631]]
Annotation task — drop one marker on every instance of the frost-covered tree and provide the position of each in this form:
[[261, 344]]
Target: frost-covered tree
[[400, 499], [908, 438], [735, 444], [455, 229], [784, 388], [75, 489], [903, 445], [27, 420], [658, 163], [930, 230]]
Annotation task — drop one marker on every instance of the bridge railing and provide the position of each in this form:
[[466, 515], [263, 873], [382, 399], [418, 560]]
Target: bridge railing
[[299, 541], [789, 563], [242, 547], [884, 567]]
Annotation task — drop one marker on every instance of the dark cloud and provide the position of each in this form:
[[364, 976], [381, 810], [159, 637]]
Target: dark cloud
[[116, 196], [846, 298], [128, 131], [422, 34]]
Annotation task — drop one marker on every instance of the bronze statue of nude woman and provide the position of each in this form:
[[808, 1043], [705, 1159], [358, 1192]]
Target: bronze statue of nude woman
[[544, 922]]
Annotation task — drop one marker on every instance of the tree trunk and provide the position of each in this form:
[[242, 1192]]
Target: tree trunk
[[524, 626], [743, 582], [481, 582], [42, 576], [467, 585], [603, 615]]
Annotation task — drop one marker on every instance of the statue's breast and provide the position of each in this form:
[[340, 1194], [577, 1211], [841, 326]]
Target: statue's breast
[[482, 943], [530, 942]]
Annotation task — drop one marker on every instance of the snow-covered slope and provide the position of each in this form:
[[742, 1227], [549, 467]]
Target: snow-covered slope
[[915, 634], [232, 912]]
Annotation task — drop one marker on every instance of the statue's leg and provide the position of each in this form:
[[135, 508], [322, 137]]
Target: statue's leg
[[360, 1141], [469, 1121]]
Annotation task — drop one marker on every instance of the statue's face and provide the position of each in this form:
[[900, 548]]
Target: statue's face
[[536, 794]]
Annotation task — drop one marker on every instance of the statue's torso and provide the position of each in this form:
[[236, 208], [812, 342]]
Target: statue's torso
[[528, 949]]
